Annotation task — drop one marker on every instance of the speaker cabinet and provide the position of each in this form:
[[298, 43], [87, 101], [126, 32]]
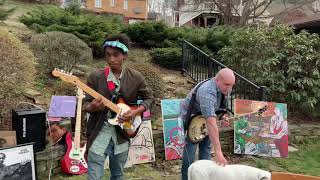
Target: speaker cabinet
[[30, 126]]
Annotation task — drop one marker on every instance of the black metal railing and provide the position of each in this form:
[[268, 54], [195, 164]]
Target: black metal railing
[[200, 66]]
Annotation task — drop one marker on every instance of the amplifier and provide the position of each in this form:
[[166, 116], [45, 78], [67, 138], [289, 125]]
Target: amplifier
[[30, 126]]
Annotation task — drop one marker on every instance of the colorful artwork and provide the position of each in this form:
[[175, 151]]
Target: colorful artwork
[[265, 134], [142, 147], [172, 129], [62, 106]]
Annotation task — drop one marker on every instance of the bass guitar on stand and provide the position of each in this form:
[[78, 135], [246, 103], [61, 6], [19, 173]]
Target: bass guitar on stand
[[74, 162]]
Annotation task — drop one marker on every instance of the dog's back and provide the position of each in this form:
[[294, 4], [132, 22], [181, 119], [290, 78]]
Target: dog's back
[[209, 170]]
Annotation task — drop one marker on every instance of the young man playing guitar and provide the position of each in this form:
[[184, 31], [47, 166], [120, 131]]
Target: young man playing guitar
[[105, 139], [208, 98]]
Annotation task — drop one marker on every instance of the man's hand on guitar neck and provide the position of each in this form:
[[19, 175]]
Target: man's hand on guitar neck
[[95, 105]]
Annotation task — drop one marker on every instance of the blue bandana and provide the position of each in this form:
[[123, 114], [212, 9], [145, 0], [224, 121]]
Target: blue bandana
[[116, 44]]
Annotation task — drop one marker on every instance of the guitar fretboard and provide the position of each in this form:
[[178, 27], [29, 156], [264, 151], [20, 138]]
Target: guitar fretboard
[[96, 95]]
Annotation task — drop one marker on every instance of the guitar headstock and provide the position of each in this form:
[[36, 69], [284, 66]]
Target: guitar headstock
[[80, 93], [65, 76], [262, 110]]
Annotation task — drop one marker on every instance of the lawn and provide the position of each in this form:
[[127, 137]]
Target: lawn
[[304, 161]]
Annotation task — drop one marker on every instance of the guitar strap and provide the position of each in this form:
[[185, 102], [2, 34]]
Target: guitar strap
[[190, 108]]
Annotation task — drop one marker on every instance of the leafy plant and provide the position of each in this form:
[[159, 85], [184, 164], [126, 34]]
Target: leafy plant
[[167, 57], [287, 63], [90, 28]]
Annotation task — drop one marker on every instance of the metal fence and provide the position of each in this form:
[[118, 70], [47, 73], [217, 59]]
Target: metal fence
[[200, 66]]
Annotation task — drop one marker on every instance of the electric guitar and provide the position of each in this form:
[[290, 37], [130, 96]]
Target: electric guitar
[[74, 162], [130, 128], [197, 129]]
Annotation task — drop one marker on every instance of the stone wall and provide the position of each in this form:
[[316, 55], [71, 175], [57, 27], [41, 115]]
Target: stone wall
[[44, 159]]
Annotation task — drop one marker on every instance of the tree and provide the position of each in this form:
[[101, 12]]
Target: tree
[[240, 12]]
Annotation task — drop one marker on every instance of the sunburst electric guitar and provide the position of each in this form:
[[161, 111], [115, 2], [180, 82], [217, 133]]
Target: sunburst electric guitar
[[73, 162], [130, 127], [197, 129]]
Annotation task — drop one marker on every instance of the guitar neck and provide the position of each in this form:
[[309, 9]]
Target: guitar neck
[[96, 95], [78, 123]]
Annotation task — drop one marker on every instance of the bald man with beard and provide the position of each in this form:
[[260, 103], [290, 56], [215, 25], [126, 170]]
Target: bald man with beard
[[210, 97]]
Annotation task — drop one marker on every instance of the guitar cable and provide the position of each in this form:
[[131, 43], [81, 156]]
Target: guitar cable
[[49, 129]]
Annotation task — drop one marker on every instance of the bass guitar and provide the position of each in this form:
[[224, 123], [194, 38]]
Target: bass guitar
[[130, 128], [74, 162], [197, 129]]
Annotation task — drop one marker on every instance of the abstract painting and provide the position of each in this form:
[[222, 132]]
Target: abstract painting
[[173, 132], [264, 134]]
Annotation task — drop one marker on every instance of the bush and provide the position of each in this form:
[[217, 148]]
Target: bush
[[167, 57], [285, 62], [151, 75], [91, 28], [59, 50], [148, 34], [154, 81], [17, 71]]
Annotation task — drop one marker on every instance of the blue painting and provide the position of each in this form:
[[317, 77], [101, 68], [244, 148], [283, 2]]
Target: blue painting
[[172, 128]]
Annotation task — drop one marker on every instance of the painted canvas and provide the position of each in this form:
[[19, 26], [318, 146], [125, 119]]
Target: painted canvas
[[142, 147], [262, 134], [172, 128], [62, 106]]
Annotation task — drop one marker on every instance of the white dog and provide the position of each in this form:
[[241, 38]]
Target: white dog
[[209, 170]]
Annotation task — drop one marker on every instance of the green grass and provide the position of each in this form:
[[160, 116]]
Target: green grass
[[142, 171], [305, 161]]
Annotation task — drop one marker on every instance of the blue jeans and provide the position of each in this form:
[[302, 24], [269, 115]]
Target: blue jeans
[[189, 152], [116, 164]]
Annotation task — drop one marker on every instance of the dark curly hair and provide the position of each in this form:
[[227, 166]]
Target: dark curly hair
[[123, 38]]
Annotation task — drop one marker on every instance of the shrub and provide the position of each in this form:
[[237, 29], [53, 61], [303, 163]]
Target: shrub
[[285, 62], [59, 50], [219, 37], [148, 34], [17, 71], [154, 81], [167, 57], [151, 75], [91, 28]]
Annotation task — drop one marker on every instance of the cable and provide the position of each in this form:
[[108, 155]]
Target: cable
[[50, 142]]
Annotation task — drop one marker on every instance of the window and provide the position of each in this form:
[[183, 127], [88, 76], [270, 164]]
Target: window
[[97, 4], [112, 3], [125, 4]]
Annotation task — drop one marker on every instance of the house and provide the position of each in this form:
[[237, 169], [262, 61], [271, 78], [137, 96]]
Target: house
[[131, 10], [207, 14], [187, 13]]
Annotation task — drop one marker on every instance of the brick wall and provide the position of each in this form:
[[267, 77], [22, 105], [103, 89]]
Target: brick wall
[[137, 9]]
